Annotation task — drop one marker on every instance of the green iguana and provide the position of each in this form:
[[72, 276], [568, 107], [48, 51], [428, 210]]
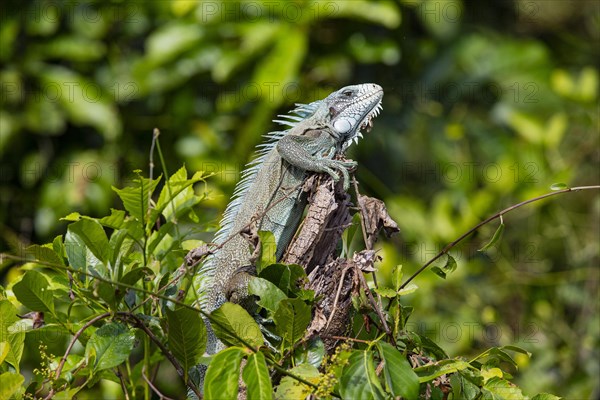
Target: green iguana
[[270, 190]]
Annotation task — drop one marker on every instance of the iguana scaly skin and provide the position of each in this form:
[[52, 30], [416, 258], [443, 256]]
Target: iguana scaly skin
[[270, 189]]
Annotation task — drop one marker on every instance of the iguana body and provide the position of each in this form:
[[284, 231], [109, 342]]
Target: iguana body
[[270, 190]]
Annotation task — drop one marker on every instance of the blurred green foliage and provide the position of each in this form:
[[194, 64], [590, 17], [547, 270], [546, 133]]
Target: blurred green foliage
[[486, 104]]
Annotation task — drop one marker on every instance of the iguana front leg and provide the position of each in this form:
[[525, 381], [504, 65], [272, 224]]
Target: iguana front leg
[[305, 152]]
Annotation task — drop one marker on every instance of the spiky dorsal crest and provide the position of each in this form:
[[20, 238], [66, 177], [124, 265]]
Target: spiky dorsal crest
[[207, 270]]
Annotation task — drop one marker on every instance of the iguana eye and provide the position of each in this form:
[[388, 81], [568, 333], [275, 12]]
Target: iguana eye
[[347, 93]]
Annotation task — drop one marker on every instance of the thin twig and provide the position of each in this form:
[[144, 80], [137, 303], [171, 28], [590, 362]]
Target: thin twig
[[61, 364], [350, 339], [487, 220], [140, 324], [123, 386], [160, 395], [379, 305]]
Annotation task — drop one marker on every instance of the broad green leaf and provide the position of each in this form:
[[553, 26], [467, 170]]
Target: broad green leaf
[[135, 198], [45, 254], [462, 386], [92, 234], [558, 186], [15, 339], [257, 379], [230, 319], [270, 295], [120, 244], [500, 354], [291, 319], [115, 220], [495, 238], [187, 336], [286, 277], [489, 373], [428, 373], [221, 380], [290, 388], [498, 389], [59, 247], [110, 345], [268, 249], [133, 276], [34, 293], [400, 378], [386, 292], [177, 194], [10, 382], [313, 354], [4, 350], [545, 396], [410, 288], [358, 380]]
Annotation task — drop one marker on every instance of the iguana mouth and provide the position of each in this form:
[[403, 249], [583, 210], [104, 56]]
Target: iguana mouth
[[366, 124]]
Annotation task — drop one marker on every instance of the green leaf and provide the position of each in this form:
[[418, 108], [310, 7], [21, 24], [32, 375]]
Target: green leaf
[[177, 195], [290, 388], [135, 198], [4, 351], [497, 388], [286, 277], [269, 294], [516, 349], [410, 288], [131, 277], [397, 277], [232, 318], [92, 234], [545, 396], [33, 292], [221, 380], [428, 373], [400, 378], [358, 380], [449, 267], [110, 345], [116, 219], [312, 353], [45, 254], [268, 249], [187, 336], [74, 216], [10, 382], [256, 377], [558, 186], [495, 238], [15, 339], [291, 319], [386, 292]]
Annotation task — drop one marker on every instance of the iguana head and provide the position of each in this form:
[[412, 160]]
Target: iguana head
[[352, 109]]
